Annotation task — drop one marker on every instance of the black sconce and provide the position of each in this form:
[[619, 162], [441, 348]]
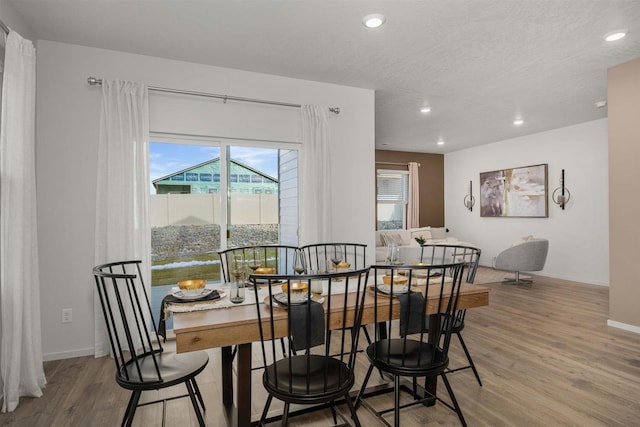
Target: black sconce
[[561, 195], [469, 200]]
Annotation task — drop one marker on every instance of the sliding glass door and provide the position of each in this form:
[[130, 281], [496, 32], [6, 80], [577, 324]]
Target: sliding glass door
[[207, 194]]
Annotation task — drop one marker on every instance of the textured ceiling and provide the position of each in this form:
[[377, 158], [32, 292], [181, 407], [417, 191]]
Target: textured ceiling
[[477, 63]]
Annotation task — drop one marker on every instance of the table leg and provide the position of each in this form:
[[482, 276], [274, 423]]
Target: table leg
[[244, 384], [227, 376]]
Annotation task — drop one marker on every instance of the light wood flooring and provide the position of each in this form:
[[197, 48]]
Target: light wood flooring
[[544, 353]]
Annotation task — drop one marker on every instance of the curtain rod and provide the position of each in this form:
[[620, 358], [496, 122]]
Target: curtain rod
[[4, 27], [94, 81], [393, 163]]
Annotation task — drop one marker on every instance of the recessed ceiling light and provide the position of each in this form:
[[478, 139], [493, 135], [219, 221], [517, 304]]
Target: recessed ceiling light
[[373, 20], [518, 122], [615, 35], [440, 142], [425, 110]]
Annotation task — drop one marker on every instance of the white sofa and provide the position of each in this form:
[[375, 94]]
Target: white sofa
[[405, 239]]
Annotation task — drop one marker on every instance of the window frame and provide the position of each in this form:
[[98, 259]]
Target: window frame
[[406, 186]]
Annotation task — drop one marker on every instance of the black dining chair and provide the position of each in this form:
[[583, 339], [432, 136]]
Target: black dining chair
[[273, 259], [317, 313], [264, 259], [470, 256], [404, 348], [141, 363], [320, 257]]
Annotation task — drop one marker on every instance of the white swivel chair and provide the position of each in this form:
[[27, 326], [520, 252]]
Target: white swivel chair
[[527, 256]]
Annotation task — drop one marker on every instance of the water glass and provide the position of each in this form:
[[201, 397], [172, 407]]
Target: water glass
[[316, 287], [393, 254], [236, 291], [237, 288]]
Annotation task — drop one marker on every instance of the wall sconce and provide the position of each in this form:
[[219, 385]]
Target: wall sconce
[[469, 200], [561, 195]]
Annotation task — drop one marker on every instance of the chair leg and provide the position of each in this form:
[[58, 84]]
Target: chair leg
[[352, 409], [285, 414], [198, 394], [396, 399], [453, 400], [265, 411], [517, 280], [194, 402], [466, 352], [131, 408], [334, 414], [364, 386], [366, 334]]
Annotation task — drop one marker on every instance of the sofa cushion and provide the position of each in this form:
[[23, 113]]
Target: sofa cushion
[[420, 232], [388, 238], [438, 233]]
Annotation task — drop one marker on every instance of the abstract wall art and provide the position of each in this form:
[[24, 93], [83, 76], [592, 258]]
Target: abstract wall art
[[516, 192]]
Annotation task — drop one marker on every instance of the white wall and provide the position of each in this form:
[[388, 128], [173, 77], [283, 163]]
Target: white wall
[[578, 236], [67, 132]]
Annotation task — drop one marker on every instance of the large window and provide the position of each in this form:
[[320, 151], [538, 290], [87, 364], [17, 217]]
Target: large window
[[392, 198], [207, 195]]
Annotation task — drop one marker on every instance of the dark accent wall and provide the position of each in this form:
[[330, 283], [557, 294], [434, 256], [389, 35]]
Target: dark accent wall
[[431, 173]]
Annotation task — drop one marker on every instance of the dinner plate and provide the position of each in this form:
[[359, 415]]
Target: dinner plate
[[205, 292], [283, 304], [397, 289], [283, 299]]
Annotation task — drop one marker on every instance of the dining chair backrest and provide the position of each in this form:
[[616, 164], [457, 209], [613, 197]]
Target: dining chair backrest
[[321, 325], [132, 332], [278, 258], [319, 255], [415, 341], [440, 253]]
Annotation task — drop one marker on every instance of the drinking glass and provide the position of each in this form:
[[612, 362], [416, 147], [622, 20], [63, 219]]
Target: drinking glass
[[254, 259], [393, 254], [236, 291], [336, 256], [299, 263], [316, 287]]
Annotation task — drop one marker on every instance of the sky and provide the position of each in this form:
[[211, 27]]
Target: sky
[[165, 158]]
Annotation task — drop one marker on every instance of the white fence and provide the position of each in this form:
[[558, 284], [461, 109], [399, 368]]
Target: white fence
[[201, 209]]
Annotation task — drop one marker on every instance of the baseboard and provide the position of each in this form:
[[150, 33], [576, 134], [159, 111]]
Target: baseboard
[[68, 354], [626, 327]]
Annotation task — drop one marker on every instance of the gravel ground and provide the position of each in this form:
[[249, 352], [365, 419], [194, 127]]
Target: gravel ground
[[185, 240]]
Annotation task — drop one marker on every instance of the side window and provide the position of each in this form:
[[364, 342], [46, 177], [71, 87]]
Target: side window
[[392, 189]]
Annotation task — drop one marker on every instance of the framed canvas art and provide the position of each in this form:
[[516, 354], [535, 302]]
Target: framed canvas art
[[516, 192]]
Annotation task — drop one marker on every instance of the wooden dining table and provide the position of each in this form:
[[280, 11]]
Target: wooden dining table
[[238, 326]]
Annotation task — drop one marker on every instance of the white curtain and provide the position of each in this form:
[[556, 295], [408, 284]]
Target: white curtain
[[21, 366], [315, 177], [413, 207], [122, 190]]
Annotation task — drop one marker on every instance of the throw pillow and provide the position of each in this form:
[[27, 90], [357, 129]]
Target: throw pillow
[[426, 235], [438, 233], [392, 238]]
